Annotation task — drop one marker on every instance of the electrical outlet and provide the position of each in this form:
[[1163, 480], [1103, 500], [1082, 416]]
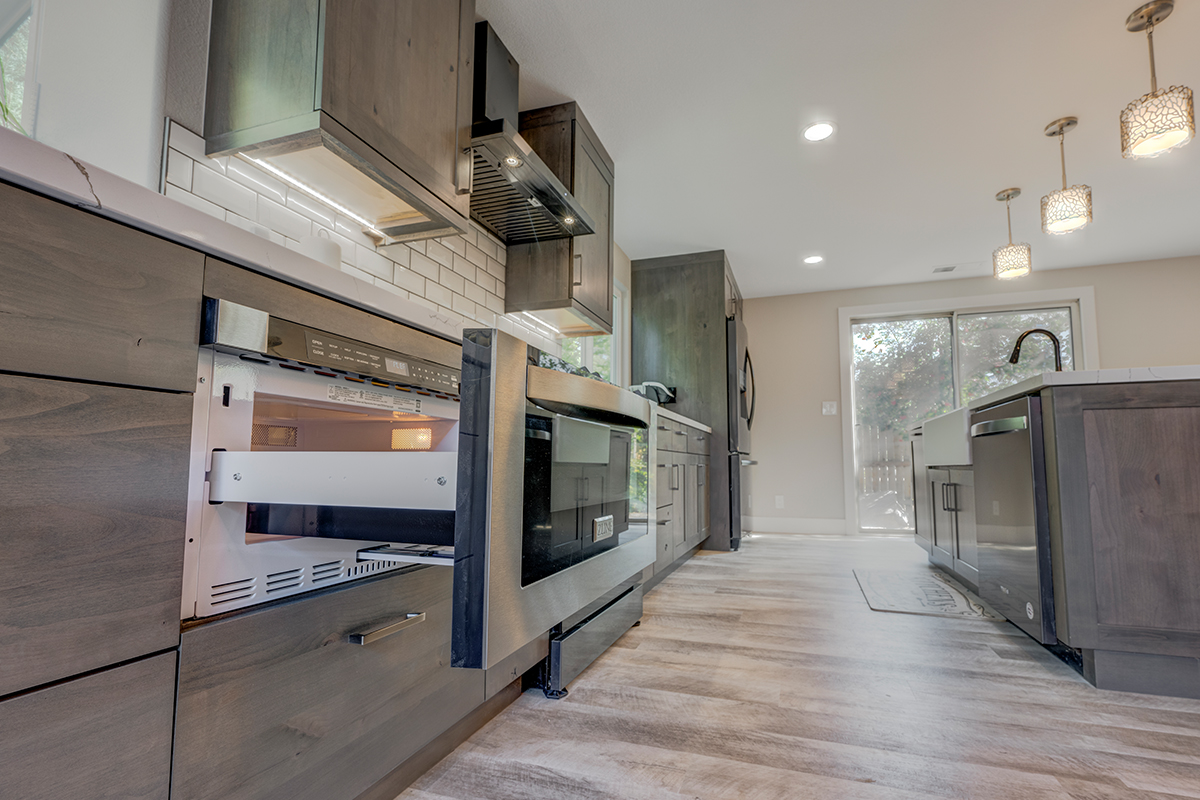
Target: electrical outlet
[[779, 501], [829, 408]]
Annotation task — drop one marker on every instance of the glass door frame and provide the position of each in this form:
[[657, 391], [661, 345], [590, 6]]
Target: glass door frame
[[1080, 299]]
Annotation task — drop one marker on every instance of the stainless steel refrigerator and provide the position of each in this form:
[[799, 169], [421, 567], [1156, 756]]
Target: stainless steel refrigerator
[[740, 381]]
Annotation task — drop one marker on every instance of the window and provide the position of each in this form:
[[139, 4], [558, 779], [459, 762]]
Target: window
[[602, 354], [907, 370], [14, 54]]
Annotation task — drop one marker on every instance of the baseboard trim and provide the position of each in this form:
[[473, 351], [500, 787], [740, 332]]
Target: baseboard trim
[[794, 525], [428, 756]]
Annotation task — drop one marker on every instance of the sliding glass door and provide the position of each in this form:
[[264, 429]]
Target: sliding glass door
[[907, 370]]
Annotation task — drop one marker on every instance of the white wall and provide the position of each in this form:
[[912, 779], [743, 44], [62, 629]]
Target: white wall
[[100, 73], [1146, 315]]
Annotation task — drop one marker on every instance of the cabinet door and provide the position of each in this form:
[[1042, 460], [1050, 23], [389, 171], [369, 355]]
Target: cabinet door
[[84, 297], [93, 496], [398, 75], [664, 473], [922, 497], [106, 735], [942, 518], [592, 254], [666, 539], [278, 703], [966, 550]]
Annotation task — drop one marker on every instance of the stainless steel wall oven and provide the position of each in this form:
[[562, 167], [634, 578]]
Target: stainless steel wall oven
[[554, 494]]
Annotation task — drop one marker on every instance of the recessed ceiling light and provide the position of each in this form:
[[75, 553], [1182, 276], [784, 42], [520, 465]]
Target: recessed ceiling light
[[814, 260], [818, 131]]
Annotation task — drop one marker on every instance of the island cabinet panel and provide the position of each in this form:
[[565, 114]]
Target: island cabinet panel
[[93, 495], [1145, 510], [106, 735], [1124, 491], [280, 703], [85, 297]]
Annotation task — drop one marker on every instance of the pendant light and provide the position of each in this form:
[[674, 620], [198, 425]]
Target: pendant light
[[1158, 122], [1070, 208], [1011, 260]]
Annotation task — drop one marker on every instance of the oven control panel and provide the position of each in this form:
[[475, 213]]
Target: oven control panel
[[308, 345]]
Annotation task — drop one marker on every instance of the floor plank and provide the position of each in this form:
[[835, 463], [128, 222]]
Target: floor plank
[[764, 675]]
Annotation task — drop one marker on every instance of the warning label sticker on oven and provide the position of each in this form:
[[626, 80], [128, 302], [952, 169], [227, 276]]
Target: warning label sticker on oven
[[374, 399]]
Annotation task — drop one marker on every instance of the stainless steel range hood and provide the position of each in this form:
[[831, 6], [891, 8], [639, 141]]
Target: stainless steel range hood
[[513, 193]]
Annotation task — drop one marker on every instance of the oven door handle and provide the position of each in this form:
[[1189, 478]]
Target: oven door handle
[[584, 398]]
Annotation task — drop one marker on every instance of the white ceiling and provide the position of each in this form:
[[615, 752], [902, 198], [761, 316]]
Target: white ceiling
[[939, 105]]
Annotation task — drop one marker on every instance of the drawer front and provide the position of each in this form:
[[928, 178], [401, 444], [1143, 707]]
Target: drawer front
[[93, 500], [697, 441], [666, 434], [679, 437], [107, 735], [277, 703], [84, 297]]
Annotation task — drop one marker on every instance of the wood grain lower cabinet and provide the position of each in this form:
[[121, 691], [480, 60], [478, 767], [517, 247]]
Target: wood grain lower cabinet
[[952, 531], [278, 703], [85, 297], [682, 488], [106, 735], [93, 495]]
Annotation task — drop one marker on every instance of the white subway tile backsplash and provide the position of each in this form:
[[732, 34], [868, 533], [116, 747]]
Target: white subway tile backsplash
[[487, 247], [396, 290], [452, 315], [486, 318], [216, 188], [463, 267], [486, 281], [494, 303], [451, 280], [186, 142], [349, 254], [456, 243], [353, 231], [256, 180], [401, 253], [408, 280], [421, 301], [462, 305], [496, 269], [439, 253], [476, 293], [175, 193], [424, 265], [306, 206], [476, 256], [284, 220], [438, 293], [367, 259], [179, 169]]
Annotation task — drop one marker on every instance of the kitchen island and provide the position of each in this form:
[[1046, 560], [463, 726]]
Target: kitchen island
[[1112, 530]]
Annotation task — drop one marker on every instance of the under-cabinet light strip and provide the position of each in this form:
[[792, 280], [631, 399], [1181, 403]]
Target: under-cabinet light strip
[[283, 176]]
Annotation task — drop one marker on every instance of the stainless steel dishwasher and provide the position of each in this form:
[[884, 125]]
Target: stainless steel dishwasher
[[1012, 515]]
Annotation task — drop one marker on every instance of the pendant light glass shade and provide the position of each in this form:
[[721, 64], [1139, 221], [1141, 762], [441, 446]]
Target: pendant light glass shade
[[1067, 209], [1070, 208], [1158, 123], [1011, 260], [1165, 119]]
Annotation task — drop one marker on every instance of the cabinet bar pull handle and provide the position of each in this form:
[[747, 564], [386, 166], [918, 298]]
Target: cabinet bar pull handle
[[663, 428], [664, 522], [577, 270], [994, 426], [387, 630]]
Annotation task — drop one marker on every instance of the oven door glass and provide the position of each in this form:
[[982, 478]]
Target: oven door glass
[[585, 491]]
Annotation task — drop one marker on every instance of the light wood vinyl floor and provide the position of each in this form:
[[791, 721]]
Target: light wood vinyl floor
[[763, 674]]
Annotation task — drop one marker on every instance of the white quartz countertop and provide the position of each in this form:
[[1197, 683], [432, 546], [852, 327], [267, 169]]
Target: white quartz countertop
[[1081, 377], [42, 169], [663, 412]]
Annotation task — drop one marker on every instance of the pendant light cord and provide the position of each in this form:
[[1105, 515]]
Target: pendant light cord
[[1008, 208], [1062, 152], [1153, 74]]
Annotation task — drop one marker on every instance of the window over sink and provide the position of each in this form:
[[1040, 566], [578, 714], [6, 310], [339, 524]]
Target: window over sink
[[907, 369]]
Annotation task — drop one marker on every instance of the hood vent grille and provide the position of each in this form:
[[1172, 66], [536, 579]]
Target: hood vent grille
[[517, 210]]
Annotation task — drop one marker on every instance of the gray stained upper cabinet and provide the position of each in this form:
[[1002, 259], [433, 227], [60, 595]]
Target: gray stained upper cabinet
[[568, 283], [367, 101], [88, 298], [93, 494]]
